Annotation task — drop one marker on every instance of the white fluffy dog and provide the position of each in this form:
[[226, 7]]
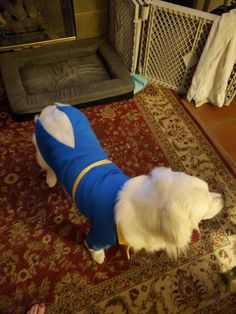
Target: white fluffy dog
[[155, 211]]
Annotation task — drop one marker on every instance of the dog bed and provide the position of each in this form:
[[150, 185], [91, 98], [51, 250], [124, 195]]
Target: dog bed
[[81, 73]]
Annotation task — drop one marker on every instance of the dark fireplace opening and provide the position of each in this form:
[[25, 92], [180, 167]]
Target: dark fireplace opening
[[29, 21]]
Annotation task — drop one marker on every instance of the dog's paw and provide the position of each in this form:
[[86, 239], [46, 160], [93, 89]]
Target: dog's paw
[[218, 202], [98, 256], [51, 180]]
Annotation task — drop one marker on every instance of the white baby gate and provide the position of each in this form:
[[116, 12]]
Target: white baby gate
[[161, 41]]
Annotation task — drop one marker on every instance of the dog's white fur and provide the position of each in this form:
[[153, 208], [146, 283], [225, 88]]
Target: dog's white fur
[[155, 211]]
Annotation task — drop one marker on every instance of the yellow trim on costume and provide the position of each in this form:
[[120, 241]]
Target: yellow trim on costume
[[83, 172], [122, 240]]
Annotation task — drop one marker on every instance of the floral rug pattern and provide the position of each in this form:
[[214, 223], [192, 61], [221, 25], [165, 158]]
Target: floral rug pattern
[[42, 256]]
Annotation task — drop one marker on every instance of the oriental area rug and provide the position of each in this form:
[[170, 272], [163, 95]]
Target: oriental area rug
[[42, 256]]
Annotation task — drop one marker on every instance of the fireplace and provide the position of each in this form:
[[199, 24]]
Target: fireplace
[[57, 51], [25, 22]]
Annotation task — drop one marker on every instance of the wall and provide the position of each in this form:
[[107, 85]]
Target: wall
[[90, 18], [199, 4], [213, 4]]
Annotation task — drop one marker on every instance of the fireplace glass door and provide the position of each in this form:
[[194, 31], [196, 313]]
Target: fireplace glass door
[[25, 22]]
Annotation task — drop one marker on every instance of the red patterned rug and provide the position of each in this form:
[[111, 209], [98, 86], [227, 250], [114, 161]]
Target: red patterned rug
[[42, 256]]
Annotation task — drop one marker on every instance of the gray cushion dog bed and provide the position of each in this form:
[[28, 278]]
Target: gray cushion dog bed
[[79, 73]]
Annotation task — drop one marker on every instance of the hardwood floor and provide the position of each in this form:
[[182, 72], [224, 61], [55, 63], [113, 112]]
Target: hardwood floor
[[220, 126]]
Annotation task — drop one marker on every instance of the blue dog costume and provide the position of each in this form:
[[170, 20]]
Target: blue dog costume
[[97, 189]]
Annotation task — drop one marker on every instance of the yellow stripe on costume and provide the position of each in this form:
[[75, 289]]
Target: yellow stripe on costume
[[83, 172]]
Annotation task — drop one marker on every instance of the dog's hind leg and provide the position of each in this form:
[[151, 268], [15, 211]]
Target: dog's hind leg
[[51, 178]]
